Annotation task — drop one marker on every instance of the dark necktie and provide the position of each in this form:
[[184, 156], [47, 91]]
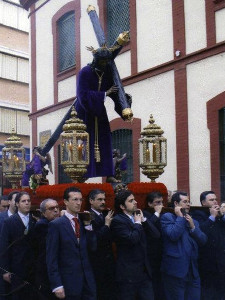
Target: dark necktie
[[77, 227]]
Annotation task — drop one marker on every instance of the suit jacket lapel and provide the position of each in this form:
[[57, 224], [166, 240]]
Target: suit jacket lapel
[[69, 229], [19, 220], [125, 217]]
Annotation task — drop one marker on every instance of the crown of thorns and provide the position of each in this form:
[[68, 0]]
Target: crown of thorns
[[103, 52]]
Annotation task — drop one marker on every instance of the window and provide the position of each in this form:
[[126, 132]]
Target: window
[[222, 151], [66, 41], [14, 68], [122, 140], [118, 18]]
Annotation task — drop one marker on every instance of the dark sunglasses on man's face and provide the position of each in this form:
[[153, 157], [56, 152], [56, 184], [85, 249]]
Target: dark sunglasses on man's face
[[51, 208]]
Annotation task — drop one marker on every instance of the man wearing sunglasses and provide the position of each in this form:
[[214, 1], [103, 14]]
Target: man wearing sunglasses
[[50, 210]]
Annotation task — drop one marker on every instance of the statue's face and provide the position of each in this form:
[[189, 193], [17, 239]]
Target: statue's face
[[102, 63]]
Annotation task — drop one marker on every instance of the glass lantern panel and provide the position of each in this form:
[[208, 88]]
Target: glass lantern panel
[[163, 152], [18, 159], [148, 153], [141, 151], [7, 161], [82, 148], [67, 149]]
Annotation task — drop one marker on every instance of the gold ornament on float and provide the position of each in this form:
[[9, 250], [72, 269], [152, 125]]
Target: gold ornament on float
[[13, 160], [152, 150], [74, 148]]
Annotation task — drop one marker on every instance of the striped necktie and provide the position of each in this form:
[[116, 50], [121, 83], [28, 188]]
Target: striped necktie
[[77, 227]]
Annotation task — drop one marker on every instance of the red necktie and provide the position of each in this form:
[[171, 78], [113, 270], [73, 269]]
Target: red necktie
[[77, 227]]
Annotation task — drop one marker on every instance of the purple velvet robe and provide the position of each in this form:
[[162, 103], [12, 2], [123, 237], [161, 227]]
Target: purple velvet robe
[[90, 103], [34, 167]]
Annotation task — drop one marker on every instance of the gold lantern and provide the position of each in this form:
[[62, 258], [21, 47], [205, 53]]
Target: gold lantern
[[152, 150], [75, 148], [13, 160]]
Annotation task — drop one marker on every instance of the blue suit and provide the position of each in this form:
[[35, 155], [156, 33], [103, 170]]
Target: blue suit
[[212, 256], [3, 284], [180, 254], [3, 215], [41, 274], [133, 272], [67, 260], [102, 260], [17, 255], [154, 250]]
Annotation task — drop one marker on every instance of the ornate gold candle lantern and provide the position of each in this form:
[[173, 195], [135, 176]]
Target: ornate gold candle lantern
[[13, 160], [152, 150], [74, 148]]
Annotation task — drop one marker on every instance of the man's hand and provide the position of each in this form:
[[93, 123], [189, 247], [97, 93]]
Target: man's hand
[[177, 211], [138, 216], [89, 219], [114, 89], [7, 277], [190, 221], [60, 293], [108, 218], [158, 208], [214, 210]]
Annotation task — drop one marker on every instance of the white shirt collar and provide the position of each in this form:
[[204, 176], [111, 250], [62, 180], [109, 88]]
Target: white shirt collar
[[131, 217], [69, 216], [9, 213], [22, 216], [97, 212]]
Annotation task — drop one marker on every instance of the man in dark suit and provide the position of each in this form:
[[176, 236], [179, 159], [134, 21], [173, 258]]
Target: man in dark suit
[[4, 203], [68, 238], [154, 245], [181, 236], [212, 255], [129, 229], [102, 260], [12, 208], [50, 210], [17, 259], [4, 286]]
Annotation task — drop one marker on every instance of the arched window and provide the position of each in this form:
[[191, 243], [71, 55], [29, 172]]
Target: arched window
[[66, 41], [122, 141], [117, 22]]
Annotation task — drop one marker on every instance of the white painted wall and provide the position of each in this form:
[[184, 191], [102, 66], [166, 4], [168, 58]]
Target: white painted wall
[[205, 80], [220, 25], [155, 96], [123, 63], [154, 33], [195, 25], [67, 88], [44, 41]]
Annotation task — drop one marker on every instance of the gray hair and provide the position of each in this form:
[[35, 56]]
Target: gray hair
[[43, 204]]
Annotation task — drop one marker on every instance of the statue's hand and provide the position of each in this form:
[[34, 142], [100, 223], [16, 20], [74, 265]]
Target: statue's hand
[[113, 90]]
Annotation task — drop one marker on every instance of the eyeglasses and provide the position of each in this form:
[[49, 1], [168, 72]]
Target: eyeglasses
[[51, 208]]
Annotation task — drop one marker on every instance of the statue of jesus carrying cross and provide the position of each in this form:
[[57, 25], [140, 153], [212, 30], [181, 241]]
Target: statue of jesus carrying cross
[[96, 81]]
